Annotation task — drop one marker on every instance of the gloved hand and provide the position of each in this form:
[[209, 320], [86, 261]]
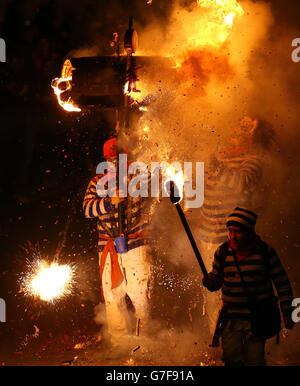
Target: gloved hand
[[211, 282]]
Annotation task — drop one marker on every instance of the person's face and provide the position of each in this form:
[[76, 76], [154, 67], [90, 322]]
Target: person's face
[[243, 133], [112, 160], [239, 236]]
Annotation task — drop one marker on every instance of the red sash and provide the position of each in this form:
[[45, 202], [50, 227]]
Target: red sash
[[116, 274]]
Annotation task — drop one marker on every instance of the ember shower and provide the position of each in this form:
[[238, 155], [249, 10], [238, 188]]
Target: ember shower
[[220, 60]]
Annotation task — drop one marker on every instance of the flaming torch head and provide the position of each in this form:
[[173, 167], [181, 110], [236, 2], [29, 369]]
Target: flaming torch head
[[63, 84], [174, 193], [174, 183]]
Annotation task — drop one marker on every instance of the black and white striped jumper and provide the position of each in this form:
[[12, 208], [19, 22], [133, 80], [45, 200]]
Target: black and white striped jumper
[[136, 215], [258, 276]]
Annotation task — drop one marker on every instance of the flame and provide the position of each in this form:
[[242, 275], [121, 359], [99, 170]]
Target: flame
[[62, 84], [67, 105], [176, 175], [50, 281], [209, 25], [177, 64], [126, 92], [140, 96], [229, 19], [224, 11]]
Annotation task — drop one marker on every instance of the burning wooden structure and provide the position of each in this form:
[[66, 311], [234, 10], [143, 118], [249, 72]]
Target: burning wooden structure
[[101, 81], [104, 81]]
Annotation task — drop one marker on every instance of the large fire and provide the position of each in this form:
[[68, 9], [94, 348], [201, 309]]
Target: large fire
[[210, 23], [225, 11], [196, 35], [50, 282], [206, 26]]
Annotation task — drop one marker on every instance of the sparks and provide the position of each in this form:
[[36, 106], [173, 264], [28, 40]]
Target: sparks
[[50, 282]]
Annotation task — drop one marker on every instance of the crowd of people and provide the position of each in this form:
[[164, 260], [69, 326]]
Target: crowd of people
[[243, 266]]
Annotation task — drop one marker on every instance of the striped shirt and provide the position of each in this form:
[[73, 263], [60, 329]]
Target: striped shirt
[[257, 275], [232, 184], [136, 216]]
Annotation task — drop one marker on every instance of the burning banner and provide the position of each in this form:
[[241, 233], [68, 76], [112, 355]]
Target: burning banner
[[101, 81]]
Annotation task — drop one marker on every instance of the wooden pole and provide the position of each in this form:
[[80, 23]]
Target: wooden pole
[[175, 201]]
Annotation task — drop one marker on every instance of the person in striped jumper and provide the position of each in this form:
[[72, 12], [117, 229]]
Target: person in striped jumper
[[126, 271], [261, 268], [233, 180]]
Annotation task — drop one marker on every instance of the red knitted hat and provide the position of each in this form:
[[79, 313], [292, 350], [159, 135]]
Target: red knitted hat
[[110, 148]]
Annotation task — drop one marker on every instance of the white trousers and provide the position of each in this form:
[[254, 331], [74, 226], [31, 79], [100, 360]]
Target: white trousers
[[135, 266]]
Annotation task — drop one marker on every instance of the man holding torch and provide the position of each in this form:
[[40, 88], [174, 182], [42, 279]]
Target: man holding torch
[[124, 260]]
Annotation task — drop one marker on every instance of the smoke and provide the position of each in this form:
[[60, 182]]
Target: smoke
[[218, 83], [100, 314], [85, 52], [174, 345]]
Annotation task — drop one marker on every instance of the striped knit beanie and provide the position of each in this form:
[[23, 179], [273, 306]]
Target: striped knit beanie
[[242, 218]]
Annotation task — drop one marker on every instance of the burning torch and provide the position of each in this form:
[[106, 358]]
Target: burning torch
[[175, 199]]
